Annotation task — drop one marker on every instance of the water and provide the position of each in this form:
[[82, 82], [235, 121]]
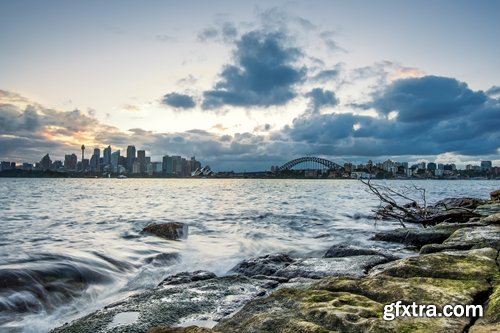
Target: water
[[71, 246]]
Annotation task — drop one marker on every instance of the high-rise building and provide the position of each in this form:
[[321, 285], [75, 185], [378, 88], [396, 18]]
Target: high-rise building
[[95, 159], [107, 156], [431, 166], [70, 162], [136, 167], [486, 165], [115, 160], [167, 164], [141, 158], [46, 163], [130, 157]]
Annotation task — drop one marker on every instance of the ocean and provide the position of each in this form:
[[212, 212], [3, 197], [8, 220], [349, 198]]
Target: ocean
[[70, 246]]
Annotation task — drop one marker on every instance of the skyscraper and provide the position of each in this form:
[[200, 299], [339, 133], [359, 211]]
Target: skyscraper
[[141, 158], [107, 156], [46, 163], [130, 158], [70, 162], [115, 160], [94, 160]]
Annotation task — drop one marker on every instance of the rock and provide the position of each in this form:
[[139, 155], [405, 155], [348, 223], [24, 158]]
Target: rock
[[168, 305], [171, 230], [491, 320], [459, 203], [315, 268], [488, 209], [187, 277], [494, 219], [469, 238], [413, 236], [189, 329], [266, 265], [458, 265], [163, 259], [495, 196], [347, 304], [345, 250]]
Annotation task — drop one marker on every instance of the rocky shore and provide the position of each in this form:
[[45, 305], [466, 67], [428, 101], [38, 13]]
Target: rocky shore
[[454, 262]]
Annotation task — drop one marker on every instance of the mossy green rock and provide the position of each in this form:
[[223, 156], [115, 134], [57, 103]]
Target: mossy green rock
[[488, 209], [356, 304], [457, 265], [353, 305]]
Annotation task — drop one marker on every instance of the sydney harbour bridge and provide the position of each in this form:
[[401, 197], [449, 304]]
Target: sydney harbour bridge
[[307, 163]]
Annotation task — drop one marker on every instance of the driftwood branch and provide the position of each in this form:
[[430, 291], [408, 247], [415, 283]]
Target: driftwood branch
[[410, 205]]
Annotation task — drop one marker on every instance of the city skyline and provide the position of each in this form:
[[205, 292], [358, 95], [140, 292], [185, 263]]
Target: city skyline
[[245, 86]]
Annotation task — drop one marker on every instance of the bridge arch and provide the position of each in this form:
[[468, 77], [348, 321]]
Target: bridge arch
[[290, 164]]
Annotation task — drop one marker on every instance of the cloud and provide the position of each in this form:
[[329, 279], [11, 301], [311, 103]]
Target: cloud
[[208, 34], [320, 98], [179, 101], [435, 115], [326, 75], [264, 73], [165, 38], [130, 108], [493, 91], [428, 98]]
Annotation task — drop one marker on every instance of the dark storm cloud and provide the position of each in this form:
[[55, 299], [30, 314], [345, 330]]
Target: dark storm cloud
[[429, 98], [493, 91], [179, 101], [14, 120], [320, 98], [435, 115], [264, 73]]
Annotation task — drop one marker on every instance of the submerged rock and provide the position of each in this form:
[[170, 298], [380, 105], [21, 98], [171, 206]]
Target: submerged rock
[[171, 230]]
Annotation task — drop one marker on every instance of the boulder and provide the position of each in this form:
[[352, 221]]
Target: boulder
[[488, 209], [266, 265], [414, 236], [189, 329], [495, 196], [316, 268], [187, 277], [345, 250], [171, 230], [459, 203]]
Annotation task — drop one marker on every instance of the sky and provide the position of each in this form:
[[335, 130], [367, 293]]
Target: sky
[[243, 85]]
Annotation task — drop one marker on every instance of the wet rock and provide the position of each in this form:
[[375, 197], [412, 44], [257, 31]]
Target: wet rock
[[459, 203], [345, 250], [189, 329], [169, 305], [347, 304], [266, 265], [315, 268], [495, 196], [163, 259], [171, 230], [488, 209], [414, 236], [187, 277]]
